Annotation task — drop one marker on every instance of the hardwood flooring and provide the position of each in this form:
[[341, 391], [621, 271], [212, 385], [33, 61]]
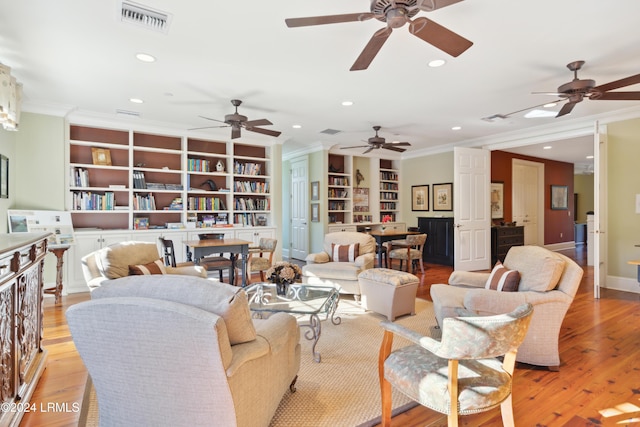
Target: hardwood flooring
[[598, 382]]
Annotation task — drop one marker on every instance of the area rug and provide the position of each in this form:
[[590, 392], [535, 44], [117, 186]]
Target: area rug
[[343, 389]]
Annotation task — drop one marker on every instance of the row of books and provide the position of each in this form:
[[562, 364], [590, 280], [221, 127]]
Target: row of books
[[251, 187], [138, 180], [144, 203], [205, 204], [80, 177], [388, 206], [388, 176], [247, 168], [338, 194], [249, 220], [88, 201], [389, 196], [390, 186], [250, 204], [198, 165]]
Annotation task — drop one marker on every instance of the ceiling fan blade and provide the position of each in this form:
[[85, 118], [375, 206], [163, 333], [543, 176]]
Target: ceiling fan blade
[[235, 132], [398, 144], [619, 96], [566, 109], [392, 148], [329, 19], [439, 36], [371, 49], [430, 5], [264, 131], [627, 81], [209, 127], [367, 150], [209, 118], [354, 146], [259, 122], [547, 93]]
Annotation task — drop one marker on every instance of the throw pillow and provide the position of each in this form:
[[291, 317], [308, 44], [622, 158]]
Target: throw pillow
[[345, 253], [502, 279], [155, 267]]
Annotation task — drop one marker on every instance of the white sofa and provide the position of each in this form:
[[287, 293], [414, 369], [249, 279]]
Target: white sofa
[[322, 269]]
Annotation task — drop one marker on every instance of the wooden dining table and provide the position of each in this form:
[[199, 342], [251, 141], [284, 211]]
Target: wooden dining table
[[388, 235], [201, 248]]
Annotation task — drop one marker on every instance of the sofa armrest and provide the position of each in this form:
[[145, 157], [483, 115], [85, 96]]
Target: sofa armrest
[[486, 302], [468, 278], [193, 270], [365, 261], [318, 258]]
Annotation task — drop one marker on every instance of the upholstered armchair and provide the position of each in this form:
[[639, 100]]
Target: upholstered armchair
[[345, 255], [114, 261], [183, 351], [460, 374], [548, 280]]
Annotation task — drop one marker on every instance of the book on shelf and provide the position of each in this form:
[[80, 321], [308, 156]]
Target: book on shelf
[[80, 177], [155, 186], [141, 223], [139, 180]]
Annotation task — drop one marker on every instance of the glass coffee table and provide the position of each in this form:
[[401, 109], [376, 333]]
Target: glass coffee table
[[300, 299]]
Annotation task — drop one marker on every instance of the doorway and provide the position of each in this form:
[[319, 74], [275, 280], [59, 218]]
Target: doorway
[[528, 199], [299, 246]]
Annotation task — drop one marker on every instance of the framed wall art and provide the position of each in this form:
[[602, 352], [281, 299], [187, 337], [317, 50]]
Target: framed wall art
[[315, 190], [361, 200], [315, 212], [4, 177], [443, 197], [559, 197], [497, 200], [419, 197]]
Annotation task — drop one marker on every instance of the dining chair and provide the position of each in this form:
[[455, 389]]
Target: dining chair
[[409, 249], [260, 258], [218, 262], [460, 374]]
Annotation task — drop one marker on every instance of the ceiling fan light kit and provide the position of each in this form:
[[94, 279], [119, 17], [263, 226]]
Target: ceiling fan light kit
[[395, 13]]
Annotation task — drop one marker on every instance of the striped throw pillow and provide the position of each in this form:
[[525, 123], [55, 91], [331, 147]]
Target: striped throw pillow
[[345, 253], [502, 279], [155, 267]]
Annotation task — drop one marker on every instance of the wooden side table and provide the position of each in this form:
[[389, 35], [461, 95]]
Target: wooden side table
[[58, 251]]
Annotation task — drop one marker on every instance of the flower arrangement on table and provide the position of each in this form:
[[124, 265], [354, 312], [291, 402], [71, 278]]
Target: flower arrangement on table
[[283, 274], [385, 220]]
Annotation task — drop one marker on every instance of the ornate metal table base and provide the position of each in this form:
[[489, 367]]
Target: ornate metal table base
[[315, 325]]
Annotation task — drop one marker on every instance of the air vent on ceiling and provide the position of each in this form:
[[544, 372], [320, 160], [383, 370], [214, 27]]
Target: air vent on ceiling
[[144, 16], [127, 113], [330, 131]]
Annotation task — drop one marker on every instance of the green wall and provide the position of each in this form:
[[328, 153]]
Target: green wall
[[427, 170], [8, 142], [318, 164], [623, 183], [583, 187]]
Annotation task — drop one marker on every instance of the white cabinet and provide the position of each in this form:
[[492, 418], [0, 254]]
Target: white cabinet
[[254, 235], [341, 227]]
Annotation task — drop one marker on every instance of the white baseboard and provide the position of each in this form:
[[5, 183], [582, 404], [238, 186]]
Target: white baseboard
[[561, 246], [622, 284]]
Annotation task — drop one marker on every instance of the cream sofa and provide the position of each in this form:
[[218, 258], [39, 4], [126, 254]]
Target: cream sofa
[[548, 280], [113, 261], [183, 351], [322, 269]]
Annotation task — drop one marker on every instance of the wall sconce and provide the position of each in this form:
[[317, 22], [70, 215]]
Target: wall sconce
[[10, 99]]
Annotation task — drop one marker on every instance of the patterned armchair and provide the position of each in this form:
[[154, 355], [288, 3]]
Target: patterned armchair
[[460, 374]]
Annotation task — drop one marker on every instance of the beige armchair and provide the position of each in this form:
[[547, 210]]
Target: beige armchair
[[340, 266], [113, 261], [163, 350], [548, 280]]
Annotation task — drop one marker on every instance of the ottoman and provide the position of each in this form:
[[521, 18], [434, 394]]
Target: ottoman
[[389, 292]]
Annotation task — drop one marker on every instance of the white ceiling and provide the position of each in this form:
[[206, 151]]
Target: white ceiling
[[76, 56]]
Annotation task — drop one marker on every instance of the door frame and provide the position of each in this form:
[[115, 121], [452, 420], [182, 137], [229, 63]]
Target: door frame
[[540, 194]]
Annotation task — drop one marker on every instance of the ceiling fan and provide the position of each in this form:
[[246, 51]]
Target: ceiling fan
[[395, 13], [376, 142], [577, 89], [238, 121]]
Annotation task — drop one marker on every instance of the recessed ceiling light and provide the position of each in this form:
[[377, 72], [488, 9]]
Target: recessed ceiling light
[[347, 103], [145, 57], [437, 63], [456, 128], [296, 126], [550, 105], [589, 157], [136, 100], [547, 147]]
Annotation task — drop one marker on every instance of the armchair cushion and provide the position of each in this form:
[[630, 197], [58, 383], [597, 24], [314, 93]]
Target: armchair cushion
[[502, 279], [540, 269], [155, 267], [345, 253], [113, 261]]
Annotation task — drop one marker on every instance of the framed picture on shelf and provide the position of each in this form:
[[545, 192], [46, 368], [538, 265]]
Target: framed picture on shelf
[[497, 200], [101, 156], [443, 197], [315, 212], [315, 190], [559, 197], [361, 200], [419, 197], [4, 177]]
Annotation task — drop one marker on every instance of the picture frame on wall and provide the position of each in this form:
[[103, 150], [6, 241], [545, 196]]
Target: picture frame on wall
[[497, 200], [4, 177], [419, 197], [559, 197], [315, 190], [443, 197], [315, 212]]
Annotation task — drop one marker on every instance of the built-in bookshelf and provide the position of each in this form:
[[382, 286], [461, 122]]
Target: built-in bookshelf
[[339, 197], [389, 190], [143, 180]]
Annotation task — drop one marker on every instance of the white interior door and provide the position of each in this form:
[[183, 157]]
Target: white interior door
[[472, 209], [528, 199], [299, 248], [600, 211]]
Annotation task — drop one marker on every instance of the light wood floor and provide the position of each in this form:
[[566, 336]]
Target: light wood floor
[[599, 350]]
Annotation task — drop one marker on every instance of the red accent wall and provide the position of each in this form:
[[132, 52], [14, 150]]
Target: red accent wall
[[555, 173]]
